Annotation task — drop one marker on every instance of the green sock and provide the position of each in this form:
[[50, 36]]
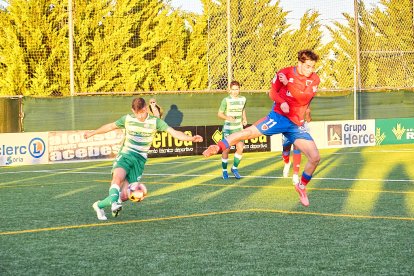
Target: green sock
[[237, 159], [224, 163], [112, 197]]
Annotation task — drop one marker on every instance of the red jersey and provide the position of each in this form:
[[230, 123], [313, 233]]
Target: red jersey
[[298, 93]]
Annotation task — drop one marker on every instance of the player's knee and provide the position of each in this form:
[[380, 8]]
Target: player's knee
[[315, 158], [239, 147], [249, 133]]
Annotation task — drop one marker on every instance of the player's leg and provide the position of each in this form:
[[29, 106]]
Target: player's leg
[[308, 147], [224, 163], [136, 165], [297, 158], [237, 158], [118, 176], [123, 195], [247, 133], [286, 148]]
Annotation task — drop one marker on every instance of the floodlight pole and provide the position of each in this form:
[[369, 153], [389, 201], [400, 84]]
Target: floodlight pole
[[229, 73], [71, 69], [358, 53], [355, 93]]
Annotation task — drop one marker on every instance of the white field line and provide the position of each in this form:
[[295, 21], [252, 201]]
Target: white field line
[[69, 171]]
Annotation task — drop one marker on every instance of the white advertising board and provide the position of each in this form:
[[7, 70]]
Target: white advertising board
[[337, 134], [23, 148]]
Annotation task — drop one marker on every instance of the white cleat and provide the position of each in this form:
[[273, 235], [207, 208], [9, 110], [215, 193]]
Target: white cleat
[[100, 213], [286, 169], [116, 208], [295, 179]]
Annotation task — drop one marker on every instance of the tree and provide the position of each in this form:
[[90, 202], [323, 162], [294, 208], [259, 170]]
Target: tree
[[33, 42], [261, 41], [386, 42]]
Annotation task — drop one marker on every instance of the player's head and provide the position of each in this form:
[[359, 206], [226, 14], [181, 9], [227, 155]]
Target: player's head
[[152, 101], [306, 62], [234, 88], [139, 108]]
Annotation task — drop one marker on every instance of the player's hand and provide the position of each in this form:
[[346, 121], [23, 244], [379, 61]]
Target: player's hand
[[285, 107], [230, 119], [306, 126], [197, 138], [283, 79], [87, 134], [244, 122]]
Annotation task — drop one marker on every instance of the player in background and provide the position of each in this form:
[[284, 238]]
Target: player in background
[[155, 109], [297, 155], [292, 90], [232, 111], [140, 129]]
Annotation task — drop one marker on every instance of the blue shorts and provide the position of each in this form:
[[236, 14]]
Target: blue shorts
[[274, 123], [285, 141]]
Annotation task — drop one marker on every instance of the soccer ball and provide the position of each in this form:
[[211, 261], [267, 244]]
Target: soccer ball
[[137, 192]]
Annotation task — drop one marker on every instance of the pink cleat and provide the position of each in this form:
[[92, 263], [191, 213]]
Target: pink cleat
[[211, 150], [302, 194]]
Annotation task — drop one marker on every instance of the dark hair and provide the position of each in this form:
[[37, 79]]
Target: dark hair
[[138, 104], [305, 55], [234, 83]]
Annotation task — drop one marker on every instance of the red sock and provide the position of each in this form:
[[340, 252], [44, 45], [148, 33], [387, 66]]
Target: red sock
[[305, 178], [286, 157], [296, 162]]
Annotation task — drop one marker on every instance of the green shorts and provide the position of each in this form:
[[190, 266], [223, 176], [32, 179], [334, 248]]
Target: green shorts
[[227, 132], [133, 164]]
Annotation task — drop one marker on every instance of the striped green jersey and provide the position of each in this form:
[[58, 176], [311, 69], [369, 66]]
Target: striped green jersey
[[139, 135], [233, 107]]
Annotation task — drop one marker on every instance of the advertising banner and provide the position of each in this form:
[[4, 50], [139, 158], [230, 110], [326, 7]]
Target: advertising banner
[[23, 148], [165, 145], [71, 146], [350, 133], [394, 131], [214, 134]]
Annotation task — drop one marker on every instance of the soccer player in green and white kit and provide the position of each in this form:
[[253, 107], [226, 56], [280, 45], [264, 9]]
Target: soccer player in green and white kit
[[233, 113], [140, 128]]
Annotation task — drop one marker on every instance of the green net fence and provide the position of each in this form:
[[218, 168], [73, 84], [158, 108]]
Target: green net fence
[[89, 112]]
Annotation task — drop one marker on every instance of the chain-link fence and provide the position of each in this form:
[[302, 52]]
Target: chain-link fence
[[257, 39], [148, 46]]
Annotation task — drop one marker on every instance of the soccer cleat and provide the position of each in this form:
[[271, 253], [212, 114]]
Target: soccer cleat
[[211, 150], [236, 173], [301, 189], [225, 175], [295, 179], [286, 169], [100, 213], [116, 208]]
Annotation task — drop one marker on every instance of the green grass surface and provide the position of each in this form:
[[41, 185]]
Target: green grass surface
[[360, 221]]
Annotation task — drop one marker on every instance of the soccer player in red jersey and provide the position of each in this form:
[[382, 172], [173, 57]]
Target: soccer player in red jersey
[[297, 155], [292, 91]]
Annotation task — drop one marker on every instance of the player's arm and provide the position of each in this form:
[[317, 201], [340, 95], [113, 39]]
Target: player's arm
[[278, 81], [308, 116], [222, 112], [274, 90], [182, 136], [244, 116], [223, 116], [103, 129]]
